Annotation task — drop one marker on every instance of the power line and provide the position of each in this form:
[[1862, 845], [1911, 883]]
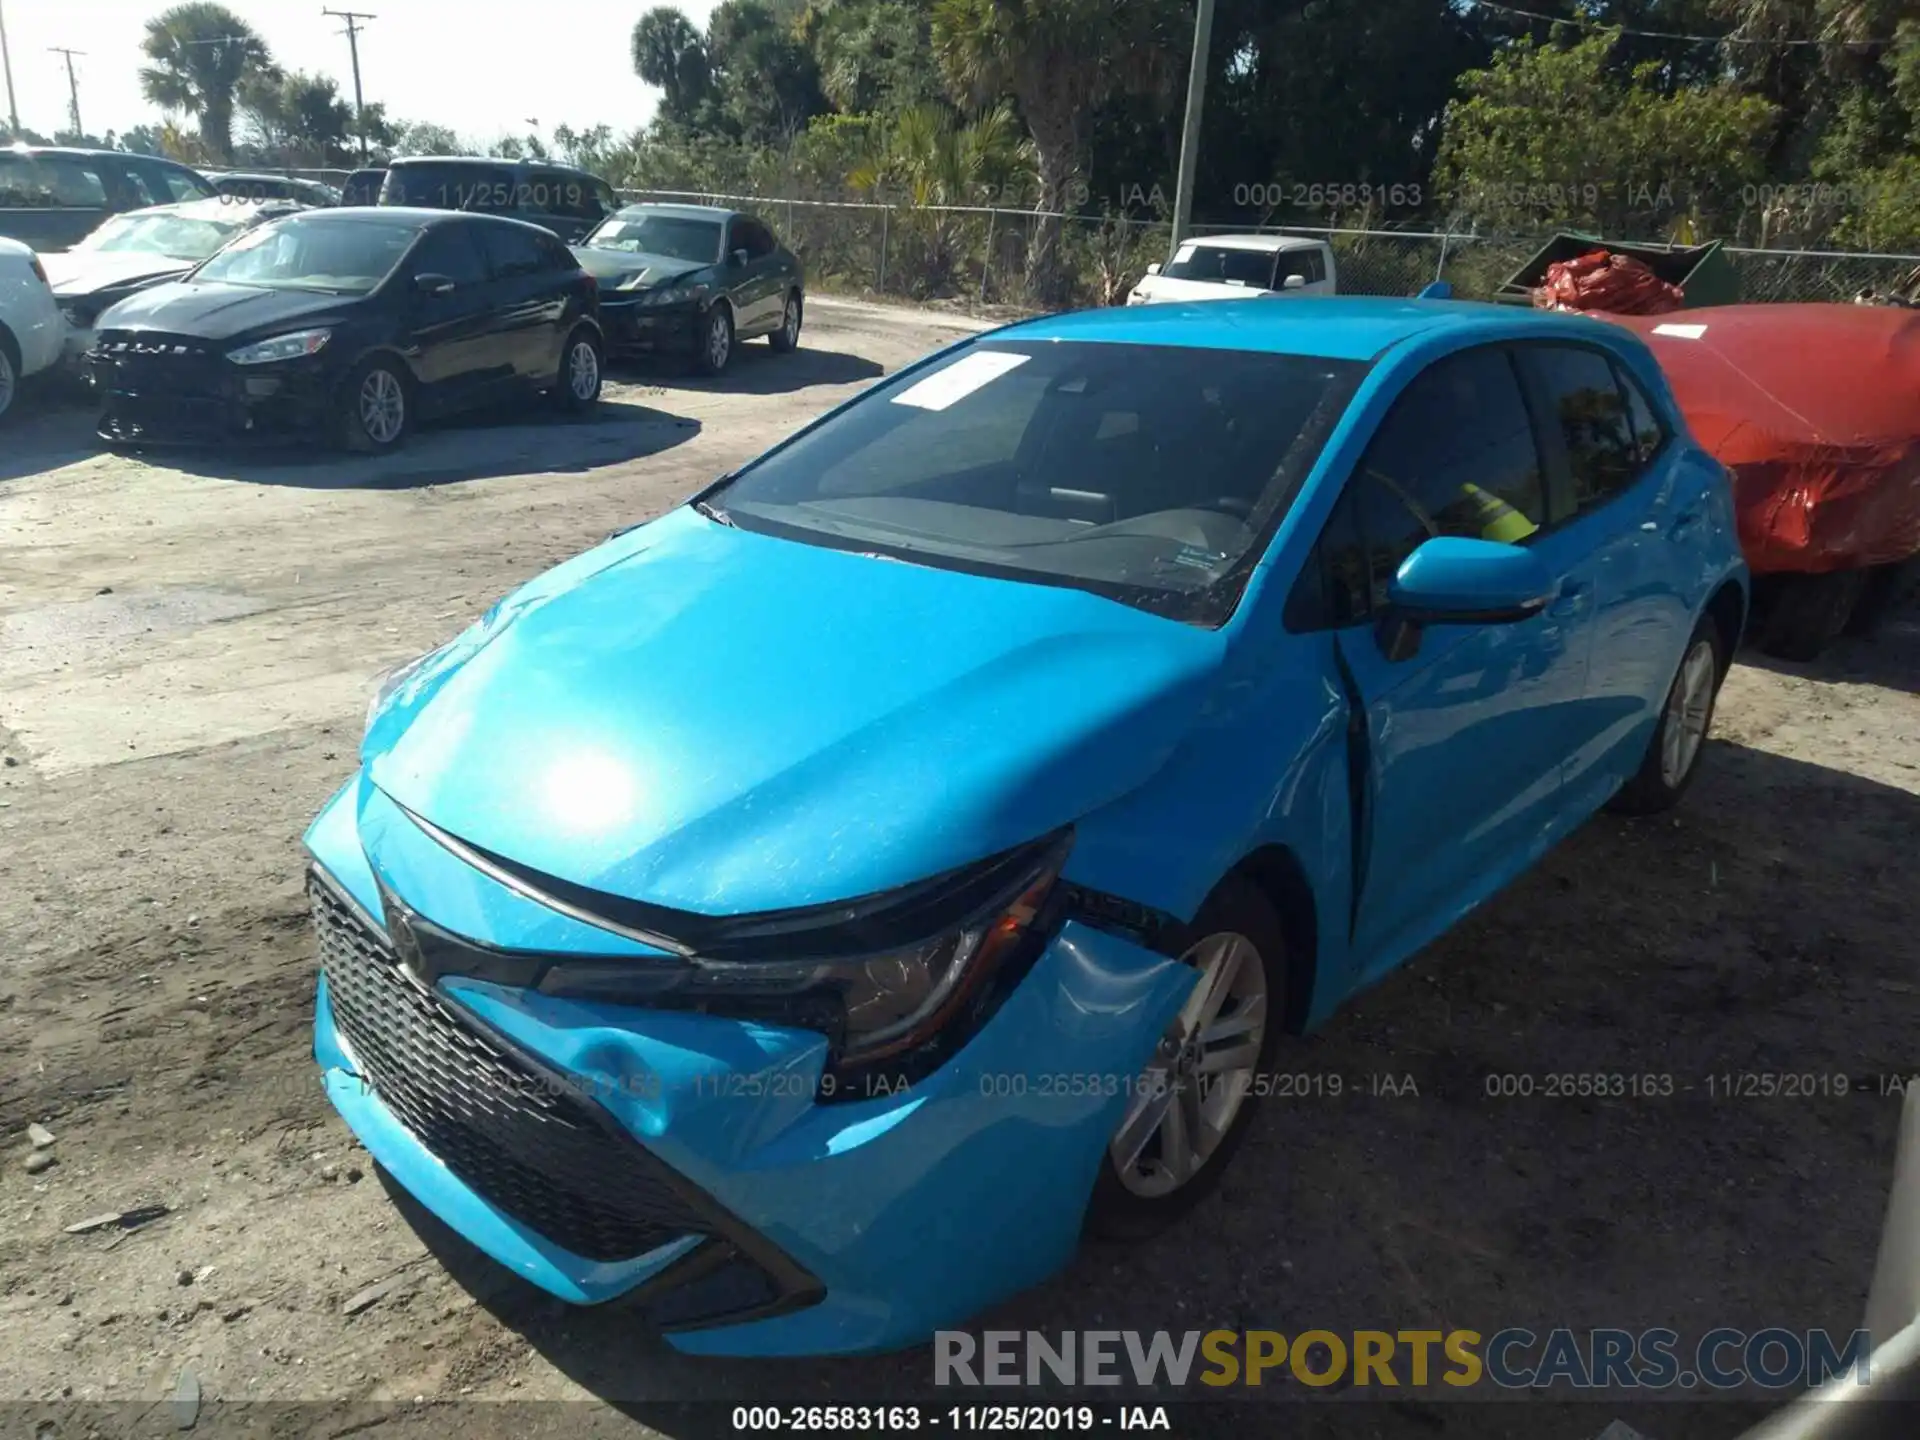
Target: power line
[[1581, 24], [353, 19], [73, 86]]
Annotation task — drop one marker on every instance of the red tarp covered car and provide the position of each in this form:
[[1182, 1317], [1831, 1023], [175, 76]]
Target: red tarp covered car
[[1816, 411]]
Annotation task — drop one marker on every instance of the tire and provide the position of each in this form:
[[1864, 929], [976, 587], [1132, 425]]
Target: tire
[[1886, 589], [787, 338], [9, 374], [576, 385], [358, 430], [1673, 754], [1810, 612], [714, 356], [1138, 1198]]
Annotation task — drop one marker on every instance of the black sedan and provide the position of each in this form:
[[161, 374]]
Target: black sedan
[[350, 324], [140, 248], [691, 280]]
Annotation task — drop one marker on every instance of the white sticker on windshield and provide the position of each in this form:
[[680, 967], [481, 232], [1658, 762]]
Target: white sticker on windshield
[[1681, 332], [960, 379]]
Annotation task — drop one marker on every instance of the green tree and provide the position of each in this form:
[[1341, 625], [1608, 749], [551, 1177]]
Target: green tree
[[1060, 60], [670, 55], [201, 53], [764, 77], [874, 56], [423, 137], [1548, 136], [297, 118]]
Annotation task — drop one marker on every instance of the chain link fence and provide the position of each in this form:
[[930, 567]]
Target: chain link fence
[[982, 254]]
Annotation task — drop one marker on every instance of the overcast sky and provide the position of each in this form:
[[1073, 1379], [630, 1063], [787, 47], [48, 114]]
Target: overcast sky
[[481, 66]]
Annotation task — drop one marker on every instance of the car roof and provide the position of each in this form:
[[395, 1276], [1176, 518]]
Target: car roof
[[490, 161], [1333, 327], [422, 215], [222, 208], [1273, 243], [689, 212], [81, 152]]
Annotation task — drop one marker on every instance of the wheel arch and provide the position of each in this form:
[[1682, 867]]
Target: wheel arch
[[1282, 881], [1728, 609], [11, 346]]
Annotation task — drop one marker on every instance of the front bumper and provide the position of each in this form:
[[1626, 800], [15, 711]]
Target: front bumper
[[635, 329], [792, 1226], [202, 399]]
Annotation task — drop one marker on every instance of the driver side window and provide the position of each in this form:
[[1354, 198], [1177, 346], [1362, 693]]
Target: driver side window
[[1455, 455]]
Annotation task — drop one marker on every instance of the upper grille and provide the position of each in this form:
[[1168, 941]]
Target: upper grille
[[523, 1139], [157, 364]]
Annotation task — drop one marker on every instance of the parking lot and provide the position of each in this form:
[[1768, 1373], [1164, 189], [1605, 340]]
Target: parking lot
[[186, 648]]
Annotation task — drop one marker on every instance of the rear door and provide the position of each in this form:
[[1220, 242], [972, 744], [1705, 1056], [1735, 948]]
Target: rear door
[[462, 348], [1622, 476], [1461, 739], [529, 295]]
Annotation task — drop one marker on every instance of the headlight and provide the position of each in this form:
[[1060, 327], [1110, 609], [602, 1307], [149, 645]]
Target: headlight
[[390, 681], [281, 347], [675, 294], [874, 1005]]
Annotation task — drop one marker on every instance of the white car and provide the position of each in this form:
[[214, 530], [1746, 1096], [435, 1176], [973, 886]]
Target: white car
[[30, 324], [1234, 267]]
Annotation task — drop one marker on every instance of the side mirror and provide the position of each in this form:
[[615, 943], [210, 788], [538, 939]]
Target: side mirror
[[739, 257], [431, 283], [1154, 268], [1294, 282], [1451, 580]]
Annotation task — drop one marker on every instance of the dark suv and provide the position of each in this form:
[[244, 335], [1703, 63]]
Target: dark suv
[[52, 197], [567, 201]]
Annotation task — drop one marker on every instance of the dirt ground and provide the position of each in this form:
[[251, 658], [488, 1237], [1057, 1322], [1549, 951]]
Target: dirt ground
[[185, 653]]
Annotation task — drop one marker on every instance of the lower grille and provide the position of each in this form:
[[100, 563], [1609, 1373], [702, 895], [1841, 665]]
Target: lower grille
[[523, 1139]]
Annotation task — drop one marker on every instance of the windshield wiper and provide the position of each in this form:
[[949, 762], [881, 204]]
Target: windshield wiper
[[714, 513]]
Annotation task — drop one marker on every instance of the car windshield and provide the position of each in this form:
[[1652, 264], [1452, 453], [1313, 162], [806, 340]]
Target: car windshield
[[652, 233], [177, 237], [1151, 474], [1223, 265], [339, 256]]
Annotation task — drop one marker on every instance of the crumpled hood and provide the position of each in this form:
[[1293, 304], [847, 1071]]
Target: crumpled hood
[[723, 722], [75, 273], [616, 266]]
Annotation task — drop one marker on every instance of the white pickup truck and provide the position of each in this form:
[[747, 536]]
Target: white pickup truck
[[1235, 267]]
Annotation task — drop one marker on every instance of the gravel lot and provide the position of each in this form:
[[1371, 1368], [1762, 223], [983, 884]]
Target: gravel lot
[[185, 652]]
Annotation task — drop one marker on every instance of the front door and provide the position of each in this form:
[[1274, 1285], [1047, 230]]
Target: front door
[[1462, 738], [457, 337]]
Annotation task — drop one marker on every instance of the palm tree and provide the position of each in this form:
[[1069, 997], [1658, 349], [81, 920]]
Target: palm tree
[[201, 53], [1059, 60]]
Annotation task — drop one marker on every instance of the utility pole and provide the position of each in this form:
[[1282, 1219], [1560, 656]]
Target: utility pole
[[1190, 131], [353, 19], [6, 62], [73, 89]]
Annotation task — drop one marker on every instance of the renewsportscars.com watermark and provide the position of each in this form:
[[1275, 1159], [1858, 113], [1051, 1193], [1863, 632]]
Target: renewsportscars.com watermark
[[1511, 1359]]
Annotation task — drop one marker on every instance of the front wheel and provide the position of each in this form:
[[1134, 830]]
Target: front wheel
[[1190, 1107], [716, 341], [9, 381], [1673, 755], [577, 386], [376, 408]]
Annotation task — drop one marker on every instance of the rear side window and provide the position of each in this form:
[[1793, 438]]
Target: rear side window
[[555, 255], [1586, 403], [172, 183], [1649, 435], [511, 251]]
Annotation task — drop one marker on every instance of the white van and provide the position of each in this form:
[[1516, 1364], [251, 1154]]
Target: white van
[[1234, 267]]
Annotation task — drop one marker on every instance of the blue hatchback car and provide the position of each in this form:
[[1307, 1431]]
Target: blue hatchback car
[[803, 915]]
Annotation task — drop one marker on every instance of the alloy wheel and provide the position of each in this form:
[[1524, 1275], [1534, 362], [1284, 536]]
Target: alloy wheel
[[383, 406], [790, 326], [583, 370], [719, 340], [1187, 1098], [1689, 709], [8, 384]]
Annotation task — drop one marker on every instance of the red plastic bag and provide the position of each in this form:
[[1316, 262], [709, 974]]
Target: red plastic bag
[[1603, 281], [1812, 407]]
